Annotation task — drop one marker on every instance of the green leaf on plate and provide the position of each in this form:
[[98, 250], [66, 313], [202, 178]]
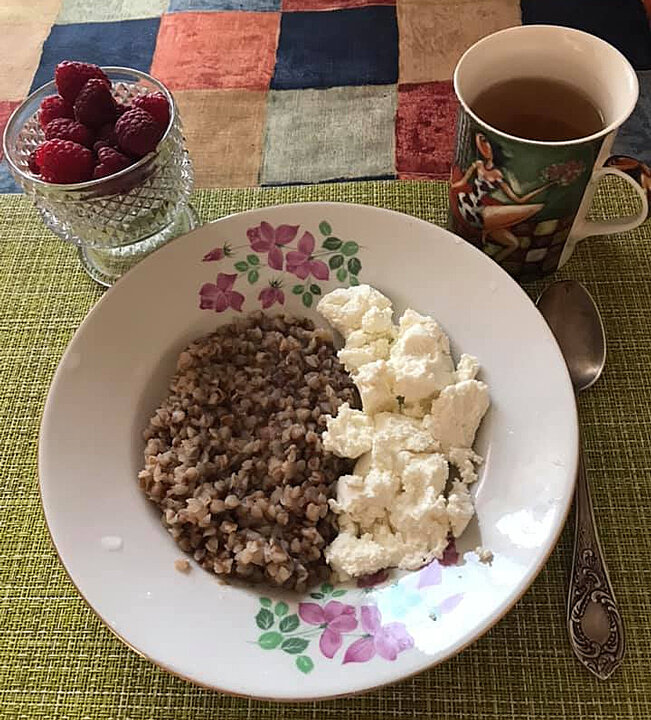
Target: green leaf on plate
[[264, 619], [336, 261], [316, 596], [253, 259], [304, 664], [326, 588], [338, 593], [270, 640], [265, 602], [324, 228], [332, 243], [350, 248], [315, 289], [294, 645], [354, 266], [342, 274], [353, 280], [298, 289], [281, 608], [241, 266], [307, 299], [253, 276], [289, 623]]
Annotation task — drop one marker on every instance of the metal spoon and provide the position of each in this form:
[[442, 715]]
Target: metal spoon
[[593, 617]]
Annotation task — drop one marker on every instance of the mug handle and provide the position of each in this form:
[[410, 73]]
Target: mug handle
[[638, 176]]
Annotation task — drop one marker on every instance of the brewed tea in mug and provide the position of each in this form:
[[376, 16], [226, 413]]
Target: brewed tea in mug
[[538, 109]]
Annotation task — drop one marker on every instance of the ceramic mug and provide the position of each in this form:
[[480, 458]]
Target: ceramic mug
[[525, 202]]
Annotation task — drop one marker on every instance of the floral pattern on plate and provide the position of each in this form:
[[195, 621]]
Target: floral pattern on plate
[[352, 629], [279, 256]]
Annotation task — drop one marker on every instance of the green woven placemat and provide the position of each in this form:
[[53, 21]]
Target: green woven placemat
[[57, 661]]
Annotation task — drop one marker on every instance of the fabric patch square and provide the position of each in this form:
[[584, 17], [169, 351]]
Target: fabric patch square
[[435, 33], [7, 183], [82, 11], [207, 5], [317, 135], [633, 136], [129, 43], [22, 41], [6, 108], [223, 131], [342, 47], [15, 12], [623, 24], [216, 50], [302, 5], [425, 130]]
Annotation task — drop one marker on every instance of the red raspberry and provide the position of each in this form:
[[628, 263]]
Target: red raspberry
[[65, 129], [156, 105], [110, 161], [137, 132], [107, 134], [64, 161], [99, 145], [33, 164], [54, 107], [95, 105], [71, 76]]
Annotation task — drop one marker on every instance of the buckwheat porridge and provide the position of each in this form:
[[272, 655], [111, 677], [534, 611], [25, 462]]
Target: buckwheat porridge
[[234, 457]]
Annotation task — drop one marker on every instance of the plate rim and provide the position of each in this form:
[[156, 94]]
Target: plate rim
[[527, 580]]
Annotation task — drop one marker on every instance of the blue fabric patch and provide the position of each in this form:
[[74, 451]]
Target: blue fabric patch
[[633, 137], [129, 43], [207, 5], [622, 23], [340, 47], [7, 183]]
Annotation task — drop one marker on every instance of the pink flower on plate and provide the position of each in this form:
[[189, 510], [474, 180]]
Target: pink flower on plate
[[264, 238], [430, 575], [450, 555], [387, 641], [369, 581], [335, 618], [270, 295], [301, 262], [220, 296], [217, 253], [450, 603]]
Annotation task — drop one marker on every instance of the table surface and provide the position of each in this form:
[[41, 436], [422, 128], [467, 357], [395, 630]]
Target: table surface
[[58, 661], [274, 92]]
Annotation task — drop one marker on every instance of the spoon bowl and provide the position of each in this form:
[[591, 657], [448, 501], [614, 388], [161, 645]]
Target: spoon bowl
[[574, 319]]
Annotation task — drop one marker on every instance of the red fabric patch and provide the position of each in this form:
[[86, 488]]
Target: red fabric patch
[[6, 108], [425, 125]]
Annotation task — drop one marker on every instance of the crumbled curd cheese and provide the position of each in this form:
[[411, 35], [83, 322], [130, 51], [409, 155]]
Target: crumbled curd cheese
[[362, 348], [349, 434], [375, 384], [345, 308], [419, 416], [457, 412], [467, 368]]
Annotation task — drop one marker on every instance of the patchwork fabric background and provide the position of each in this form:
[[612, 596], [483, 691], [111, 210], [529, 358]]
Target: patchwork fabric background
[[276, 92]]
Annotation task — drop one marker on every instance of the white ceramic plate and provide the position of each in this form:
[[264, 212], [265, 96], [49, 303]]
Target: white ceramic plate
[[251, 641]]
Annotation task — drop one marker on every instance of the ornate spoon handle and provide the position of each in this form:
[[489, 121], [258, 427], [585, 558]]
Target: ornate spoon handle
[[593, 618]]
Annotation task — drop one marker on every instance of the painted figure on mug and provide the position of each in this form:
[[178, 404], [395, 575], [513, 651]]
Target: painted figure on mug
[[484, 177]]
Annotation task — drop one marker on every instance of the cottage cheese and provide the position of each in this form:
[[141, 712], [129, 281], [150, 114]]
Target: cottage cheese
[[350, 434], [419, 417]]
